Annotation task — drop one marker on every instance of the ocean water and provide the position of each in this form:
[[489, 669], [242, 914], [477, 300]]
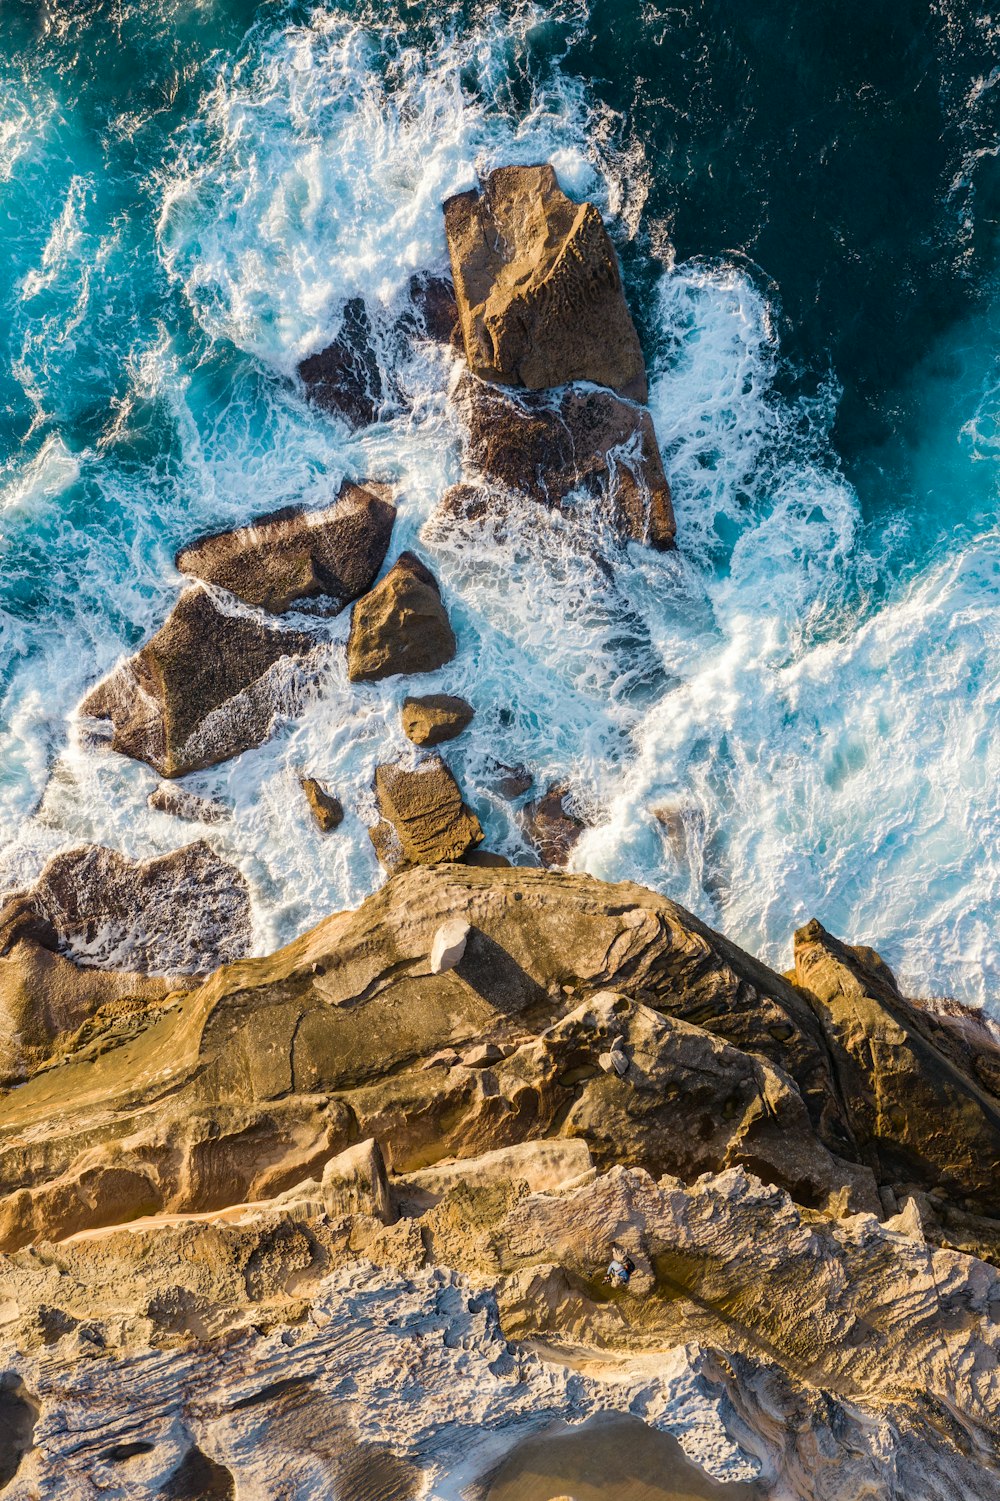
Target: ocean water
[[805, 202]]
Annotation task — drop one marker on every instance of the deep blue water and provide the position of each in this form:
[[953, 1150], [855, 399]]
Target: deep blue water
[[805, 199]]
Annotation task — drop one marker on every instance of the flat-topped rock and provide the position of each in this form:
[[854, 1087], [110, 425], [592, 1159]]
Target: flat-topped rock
[[545, 445], [424, 820], [207, 686], [539, 290], [333, 554], [402, 626], [435, 718]]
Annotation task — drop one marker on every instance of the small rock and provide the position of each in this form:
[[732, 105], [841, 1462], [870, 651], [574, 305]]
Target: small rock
[[449, 945], [483, 1056], [446, 1058], [510, 781], [551, 827], [539, 292], [435, 718], [401, 626], [334, 554], [344, 378], [180, 803], [327, 810], [424, 818], [433, 299]]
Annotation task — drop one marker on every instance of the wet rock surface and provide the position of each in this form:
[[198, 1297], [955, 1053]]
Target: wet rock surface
[[332, 554], [327, 810], [424, 820], [551, 825], [402, 626], [344, 378], [539, 291], [545, 445], [205, 688], [179, 802], [435, 718]]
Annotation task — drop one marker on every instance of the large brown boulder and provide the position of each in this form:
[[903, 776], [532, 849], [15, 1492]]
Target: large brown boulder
[[334, 554], [424, 820], [539, 291], [545, 445], [401, 626], [182, 913], [435, 718], [206, 687], [344, 378], [920, 1109]]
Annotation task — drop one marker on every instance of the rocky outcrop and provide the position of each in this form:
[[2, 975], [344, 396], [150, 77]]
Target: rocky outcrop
[[553, 829], [545, 445], [539, 291], [182, 913], [423, 818], [206, 687], [402, 626], [433, 301], [344, 378], [327, 810], [435, 718], [180, 803], [333, 554]]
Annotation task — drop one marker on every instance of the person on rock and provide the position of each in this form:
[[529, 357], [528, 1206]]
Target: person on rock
[[620, 1269]]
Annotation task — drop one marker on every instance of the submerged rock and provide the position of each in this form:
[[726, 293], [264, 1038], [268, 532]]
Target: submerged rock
[[206, 687], [181, 913], [401, 626], [549, 444], [424, 820], [334, 554], [435, 718], [539, 291], [551, 827], [327, 810], [180, 803], [433, 300], [344, 378]]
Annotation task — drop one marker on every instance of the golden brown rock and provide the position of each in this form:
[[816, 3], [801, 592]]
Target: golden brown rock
[[425, 821], [334, 554], [327, 810], [206, 687], [435, 718], [539, 291], [401, 626]]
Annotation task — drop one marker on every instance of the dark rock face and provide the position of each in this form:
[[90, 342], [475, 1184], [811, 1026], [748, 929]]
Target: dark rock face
[[510, 781], [424, 820], [344, 377], [334, 554], [545, 445], [435, 718], [401, 626], [200, 691], [539, 291], [327, 810], [182, 913], [180, 803], [551, 827], [433, 301]]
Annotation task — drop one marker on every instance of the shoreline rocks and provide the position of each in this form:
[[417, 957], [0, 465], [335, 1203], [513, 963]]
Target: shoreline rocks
[[327, 810], [344, 378], [401, 626], [538, 288], [293, 555], [207, 686], [423, 818], [435, 718]]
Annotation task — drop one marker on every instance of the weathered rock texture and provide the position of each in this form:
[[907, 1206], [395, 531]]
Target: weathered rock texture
[[344, 378], [207, 686], [545, 445], [180, 803], [424, 820], [551, 826], [334, 554], [435, 718], [401, 626], [539, 291], [327, 810], [224, 1228]]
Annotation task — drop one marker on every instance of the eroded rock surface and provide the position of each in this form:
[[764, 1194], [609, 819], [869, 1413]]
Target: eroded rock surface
[[334, 554], [327, 810], [539, 291], [424, 820], [344, 378], [401, 626], [207, 686], [435, 718], [545, 445], [552, 826]]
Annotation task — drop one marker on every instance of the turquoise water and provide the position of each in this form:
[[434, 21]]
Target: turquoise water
[[806, 210]]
